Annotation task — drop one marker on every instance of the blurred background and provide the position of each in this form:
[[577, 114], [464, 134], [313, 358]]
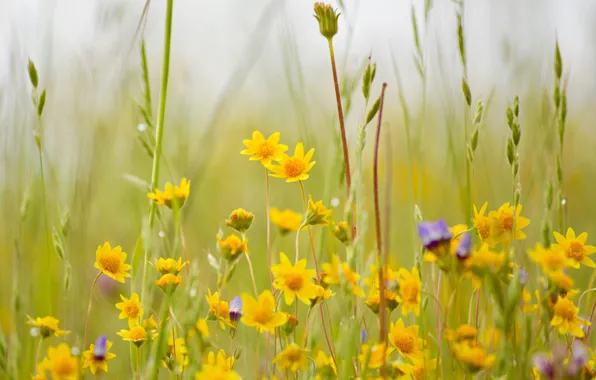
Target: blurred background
[[240, 65]]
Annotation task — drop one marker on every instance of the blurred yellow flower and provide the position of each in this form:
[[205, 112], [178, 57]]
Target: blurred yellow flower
[[294, 168], [131, 309], [168, 282], [341, 231], [286, 220], [561, 280], [179, 193], [176, 356], [221, 360], [96, 359], [137, 335], [551, 260], [374, 355], [169, 265], [485, 258], [317, 213], [501, 225], [209, 372], [60, 363], [565, 318], [218, 309], [111, 262], [463, 333], [259, 313], [47, 326], [232, 246], [325, 365], [575, 248], [293, 357], [474, 357], [202, 328], [294, 280], [527, 306], [352, 279], [409, 289], [263, 150], [149, 323], [420, 370], [481, 222], [330, 271], [406, 340]]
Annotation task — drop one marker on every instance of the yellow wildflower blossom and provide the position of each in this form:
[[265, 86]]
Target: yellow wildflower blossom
[[330, 273], [317, 213], [96, 358], [218, 309], [293, 357], [209, 372], [259, 313], [221, 360], [294, 280], [575, 248], [406, 340], [60, 363], [48, 326], [294, 168], [474, 357], [409, 289], [232, 246], [168, 282], [352, 279], [179, 193], [374, 355], [501, 225], [169, 265], [131, 309], [463, 333], [286, 220], [481, 222], [551, 260], [111, 262], [137, 335], [263, 150], [566, 320]]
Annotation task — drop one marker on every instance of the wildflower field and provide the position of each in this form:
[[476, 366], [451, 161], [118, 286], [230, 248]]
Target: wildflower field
[[388, 241]]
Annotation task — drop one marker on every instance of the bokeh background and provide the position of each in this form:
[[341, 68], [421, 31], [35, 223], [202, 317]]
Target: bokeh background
[[237, 66]]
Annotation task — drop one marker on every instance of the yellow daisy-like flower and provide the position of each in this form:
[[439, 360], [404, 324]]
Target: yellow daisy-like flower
[[202, 328], [221, 360], [575, 248], [259, 313], [149, 323], [474, 357], [179, 193], [294, 168], [98, 362], [464, 333], [481, 222], [168, 282], [420, 370], [326, 367], [286, 220], [263, 150], [209, 372], [406, 341], [169, 265], [409, 289], [218, 309], [561, 280], [131, 309], [374, 355], [176, 356], [352, 279], [60, 363], [341, 231], [551, 260], [294, 280], [137, 335], [484, 258], [527, 306], [111, 262], [501, 225], [330, 271], [566, 320], [317, 213], [293, 357], [48, 326], [232, 246]]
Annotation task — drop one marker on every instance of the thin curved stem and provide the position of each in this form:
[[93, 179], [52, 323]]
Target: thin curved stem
[[268, 210], [89, 309], [252, 274]]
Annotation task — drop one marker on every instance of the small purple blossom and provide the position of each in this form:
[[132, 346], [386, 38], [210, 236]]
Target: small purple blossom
[[523, 276], [100, 349], [236, 309], [434, 234], [363, 336], [544, 365], [464, 248], [579, 358]]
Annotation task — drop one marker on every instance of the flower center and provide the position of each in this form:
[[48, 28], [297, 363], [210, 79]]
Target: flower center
[[221, 309], [483, 228], [404, 343], [262, 317], [293, 355], [553, 260], [507, 223], [576, 250], [110, 262], [132, 310], [63, 366], [294, 167], [565, 309], [410, 291], [265, 150], [294, 281], [137, 333]]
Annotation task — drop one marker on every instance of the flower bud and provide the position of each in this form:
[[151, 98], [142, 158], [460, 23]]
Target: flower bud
[[327, 18], [341, 232], [290, 324], [169, 282], [240, 220]]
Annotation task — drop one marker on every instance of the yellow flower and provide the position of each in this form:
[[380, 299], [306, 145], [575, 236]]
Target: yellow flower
[[240, 220], [527, 306], [111, 262], [232, 246], [203, 328], [474, 357], [131, 309], [501, 225], [322, 294], [326, 367], [317, 213], [551, 260], [374, 355], [484, 258], [566, 320], [168, 282], [149, 323], [259, 313], [209, 372], [263, 150], [136, 335], [330, 273], [169, 265], [561, 280], [409, 289], [60, 363], [286, 220], [293, 357], [464, 333], [294, 280], [97, 362], [481, 222], [352, 279], [406, 340], [176, 355], [420, 370], [218, 309], [294, 168], [171, 192], [575, 248], [341, 231], [221, 361], [48, 326]]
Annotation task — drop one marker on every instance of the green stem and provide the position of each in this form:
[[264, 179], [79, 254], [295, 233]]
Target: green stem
[[89, 309], [156, 348], [161, 112]]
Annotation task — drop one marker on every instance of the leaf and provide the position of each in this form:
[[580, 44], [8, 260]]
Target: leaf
[[32, 73], [58, 246], [373, 111], [42, 102], [138, 253]]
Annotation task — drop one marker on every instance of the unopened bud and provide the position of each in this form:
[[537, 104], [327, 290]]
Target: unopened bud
[[327, 18]]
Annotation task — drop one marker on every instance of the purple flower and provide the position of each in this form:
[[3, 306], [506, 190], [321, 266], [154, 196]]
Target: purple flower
[[434, 234], [464, 248], [523, 276], [100, 348], [544, 365], [236, 309], [579, 358], [363, 336]]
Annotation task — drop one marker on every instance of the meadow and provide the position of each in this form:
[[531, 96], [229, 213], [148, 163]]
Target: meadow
[[252, 247]]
